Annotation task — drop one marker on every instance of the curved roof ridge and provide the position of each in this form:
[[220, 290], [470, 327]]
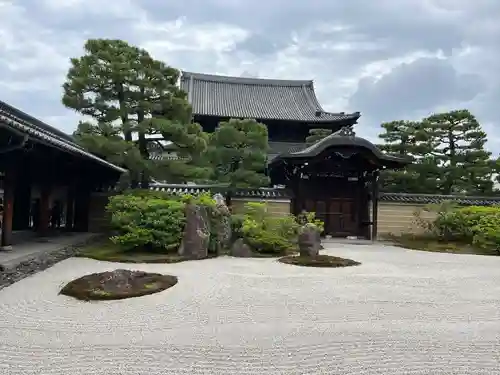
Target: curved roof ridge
[[247, 80], [38, 124], [340, 139], [313, 99]]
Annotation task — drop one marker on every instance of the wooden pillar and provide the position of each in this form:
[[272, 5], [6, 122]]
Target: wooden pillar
[[70, 208], [44, 213], [360, 206], [375, 196], [8, 208], [21, 219], [82, 202]]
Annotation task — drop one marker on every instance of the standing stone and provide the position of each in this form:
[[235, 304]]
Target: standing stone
[[309, 241], [240, 249], [223, 223], [196, 236]]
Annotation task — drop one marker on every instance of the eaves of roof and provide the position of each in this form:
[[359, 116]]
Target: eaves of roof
[[19, 121], [262, 99], [338, 139]]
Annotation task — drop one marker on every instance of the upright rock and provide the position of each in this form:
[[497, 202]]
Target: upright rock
[[196, 236], [309, 240], [240, 249], [223, 226]]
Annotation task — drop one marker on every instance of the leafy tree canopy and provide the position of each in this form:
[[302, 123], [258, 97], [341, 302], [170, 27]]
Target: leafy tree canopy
[[238, 153], [316, 135], [129, 96], [448, 155]]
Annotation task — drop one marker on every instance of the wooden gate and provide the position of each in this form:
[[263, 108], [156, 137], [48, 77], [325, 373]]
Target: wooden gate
[[338, 214]]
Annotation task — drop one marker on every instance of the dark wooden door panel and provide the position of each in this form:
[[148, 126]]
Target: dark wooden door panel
[[337, 206]]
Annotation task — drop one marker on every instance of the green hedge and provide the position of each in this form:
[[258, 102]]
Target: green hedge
[[150, 224], [474, 225], [154, 221], [268, 234]]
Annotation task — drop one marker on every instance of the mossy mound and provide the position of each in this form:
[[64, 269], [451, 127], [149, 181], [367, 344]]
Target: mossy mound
[[117, 284], [318, 261], [109, 252]]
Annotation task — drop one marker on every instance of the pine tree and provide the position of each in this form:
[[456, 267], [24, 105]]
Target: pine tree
[[238, 153], [408, 140], [129, 95], [316, 135], [457, 146], [448, 156]]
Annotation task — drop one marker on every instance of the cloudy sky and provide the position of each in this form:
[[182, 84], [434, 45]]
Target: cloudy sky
[[388, 59]]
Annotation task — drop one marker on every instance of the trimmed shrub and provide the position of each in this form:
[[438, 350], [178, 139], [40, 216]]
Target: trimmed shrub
[[268, 234], [237, 221], [145, 223], [473, 225]]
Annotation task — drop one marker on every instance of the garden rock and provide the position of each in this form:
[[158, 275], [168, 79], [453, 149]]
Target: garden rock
[[240, 249], [118, 284], [223, 227], [196, 237], [309, 241]]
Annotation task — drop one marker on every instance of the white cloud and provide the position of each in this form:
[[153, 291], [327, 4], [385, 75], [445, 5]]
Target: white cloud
[[161, 39], [337, 44]]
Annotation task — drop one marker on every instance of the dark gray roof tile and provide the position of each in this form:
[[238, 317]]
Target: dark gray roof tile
[[181, 189], [262, 99], [435, 199], [26, 124], [343, 137]]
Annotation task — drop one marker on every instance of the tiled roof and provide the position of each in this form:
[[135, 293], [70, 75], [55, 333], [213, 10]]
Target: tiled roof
[[26, 124], [285, 147], [277, 148], [431, 198], [261, 193], [343, 137], [262, 99], [178, 189]]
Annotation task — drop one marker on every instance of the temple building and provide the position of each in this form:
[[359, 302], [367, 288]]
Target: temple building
[[335, 177], [46, 178], [49, 182]]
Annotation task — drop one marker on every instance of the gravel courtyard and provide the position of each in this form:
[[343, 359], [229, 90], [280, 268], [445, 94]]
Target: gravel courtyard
[[400, 312]]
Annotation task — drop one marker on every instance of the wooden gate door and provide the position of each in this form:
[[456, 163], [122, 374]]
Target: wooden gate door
[[342, 217], [338, 214]]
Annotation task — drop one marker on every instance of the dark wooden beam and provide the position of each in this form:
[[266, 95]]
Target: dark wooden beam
[[70, 206], [44, 212], [8, 206], [375, 197]]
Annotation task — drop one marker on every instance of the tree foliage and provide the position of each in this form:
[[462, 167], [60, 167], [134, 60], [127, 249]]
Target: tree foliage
[[407, 139], [128, 96], [316, 135], [448, 154], [457, 143], [238, 153]]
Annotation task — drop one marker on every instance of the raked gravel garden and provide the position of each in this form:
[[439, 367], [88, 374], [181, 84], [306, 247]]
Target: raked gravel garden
[[399, 312]]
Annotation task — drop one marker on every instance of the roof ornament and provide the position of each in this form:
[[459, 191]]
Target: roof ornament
[[346, 131]]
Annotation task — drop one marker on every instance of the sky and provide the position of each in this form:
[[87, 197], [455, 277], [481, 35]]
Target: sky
[[388, 59]]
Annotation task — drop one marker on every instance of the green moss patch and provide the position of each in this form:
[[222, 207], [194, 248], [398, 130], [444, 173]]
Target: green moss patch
[[108, 251], [117, 284], [318, 261], [431, 244]]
